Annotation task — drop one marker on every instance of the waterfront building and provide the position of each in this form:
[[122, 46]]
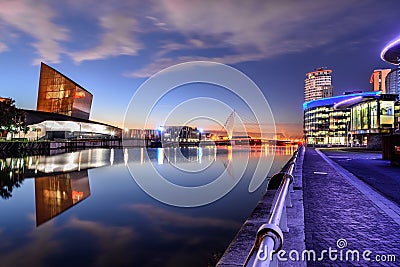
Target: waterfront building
[[378, 80], [323, 124], [393, 81], [51, 126], [179, 134], [372, 115], [318, 84], [352, 119], [141, 134], [391, 54], [63, 110], [59, 94]]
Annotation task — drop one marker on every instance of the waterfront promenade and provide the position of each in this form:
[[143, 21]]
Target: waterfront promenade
[[340, 206], [351, 208]]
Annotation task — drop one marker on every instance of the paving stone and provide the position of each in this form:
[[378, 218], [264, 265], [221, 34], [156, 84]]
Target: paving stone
[[335, 209]]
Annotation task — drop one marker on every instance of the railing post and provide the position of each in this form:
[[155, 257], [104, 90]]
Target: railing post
[[291, 189], [283, 222], [289, 201], [269, 237]]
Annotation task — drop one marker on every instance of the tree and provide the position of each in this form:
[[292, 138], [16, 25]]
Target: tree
[[12, 119]]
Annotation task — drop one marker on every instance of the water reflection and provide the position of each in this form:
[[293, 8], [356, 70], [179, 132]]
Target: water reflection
[[13, 171], [56, 193], [11, 177], [117, 224]]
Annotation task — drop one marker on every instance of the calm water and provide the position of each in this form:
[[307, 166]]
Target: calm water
[[85, 208]]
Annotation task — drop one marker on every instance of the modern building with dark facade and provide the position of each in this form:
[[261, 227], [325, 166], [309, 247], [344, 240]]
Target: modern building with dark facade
[[59, 94], [393, 82], [63, 110], [391, 54]]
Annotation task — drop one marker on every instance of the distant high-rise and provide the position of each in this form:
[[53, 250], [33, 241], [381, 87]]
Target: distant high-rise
[[318, 84], [59, 94], [391, 54], [377, 80]]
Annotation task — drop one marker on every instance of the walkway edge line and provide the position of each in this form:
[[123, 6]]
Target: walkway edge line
[[390, 208]]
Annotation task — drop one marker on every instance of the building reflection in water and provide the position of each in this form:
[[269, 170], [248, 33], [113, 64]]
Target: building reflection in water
[[56, 193], [62, 180]]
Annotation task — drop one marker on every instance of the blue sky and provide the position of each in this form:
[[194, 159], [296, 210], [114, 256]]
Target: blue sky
[[112, 47]]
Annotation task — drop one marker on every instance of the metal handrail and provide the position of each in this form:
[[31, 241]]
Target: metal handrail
[[269, 238]]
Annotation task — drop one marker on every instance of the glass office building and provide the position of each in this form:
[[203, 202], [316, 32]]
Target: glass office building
[[393, 81], [391, 54], [59, 94], [323, 124], [374, 117], [349, 119]]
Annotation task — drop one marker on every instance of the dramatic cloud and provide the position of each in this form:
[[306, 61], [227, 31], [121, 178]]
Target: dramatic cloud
[[117, 39], [165, 62], [260, 25], [34, 18], [176, 31], [251, 30]]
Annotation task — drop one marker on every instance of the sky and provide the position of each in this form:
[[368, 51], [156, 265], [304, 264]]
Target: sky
[[112, 47]]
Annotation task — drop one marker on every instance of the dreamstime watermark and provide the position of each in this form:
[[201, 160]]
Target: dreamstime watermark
[[147, 104], [338, 253]]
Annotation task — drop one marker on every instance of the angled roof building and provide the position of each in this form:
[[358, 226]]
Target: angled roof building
[[59, 94]]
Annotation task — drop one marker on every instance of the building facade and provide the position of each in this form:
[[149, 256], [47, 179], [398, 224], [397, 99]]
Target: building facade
[[51, 126], [391, 54], [323, 124], [393, 81], [59, 94], [373, 118], [181, 134], [141, 134], [352, 119], [318, 84], [378, 80]]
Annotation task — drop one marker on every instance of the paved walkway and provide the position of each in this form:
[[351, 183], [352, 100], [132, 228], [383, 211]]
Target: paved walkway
[[370, 168], [335, 209]]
